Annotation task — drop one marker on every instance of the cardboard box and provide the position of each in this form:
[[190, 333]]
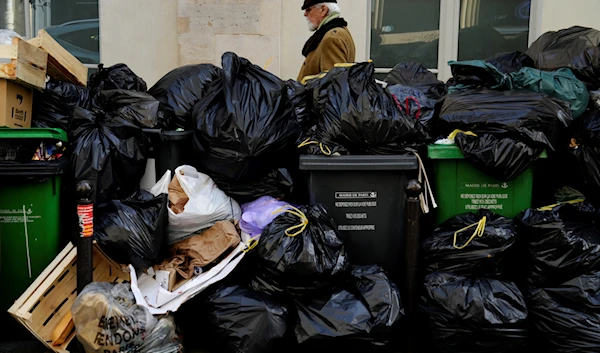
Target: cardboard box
[[16, 105]]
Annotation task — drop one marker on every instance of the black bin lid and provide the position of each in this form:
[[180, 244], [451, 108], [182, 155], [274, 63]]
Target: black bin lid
[[372, 163]]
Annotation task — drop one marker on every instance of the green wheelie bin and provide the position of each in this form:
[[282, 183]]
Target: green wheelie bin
[[30, 213]]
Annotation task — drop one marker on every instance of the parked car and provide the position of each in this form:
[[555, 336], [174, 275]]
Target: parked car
[[81, 38]]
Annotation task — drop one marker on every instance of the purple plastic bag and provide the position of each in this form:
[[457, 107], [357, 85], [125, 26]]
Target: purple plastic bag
[[258, 214]]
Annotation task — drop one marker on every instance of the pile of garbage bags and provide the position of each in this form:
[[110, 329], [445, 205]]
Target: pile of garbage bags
[[495, 284], [353, 114], [470, 296], [298, 290], [261, 272], [563, 242], [518, 105]]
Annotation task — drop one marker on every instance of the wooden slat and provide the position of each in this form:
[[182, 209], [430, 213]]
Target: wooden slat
[[8, 52], [62, 65], [41, 278], [31, 64], [31, 55], [63, 329], [28, 64], [47, 293], [32, 300]]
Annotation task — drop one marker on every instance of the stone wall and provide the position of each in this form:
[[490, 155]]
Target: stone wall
[[250, 28]]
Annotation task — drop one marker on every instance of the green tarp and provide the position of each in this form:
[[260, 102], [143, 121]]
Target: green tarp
[[561, 84]]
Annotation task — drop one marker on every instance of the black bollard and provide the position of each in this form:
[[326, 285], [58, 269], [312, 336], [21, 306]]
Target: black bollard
[[411, 258], [85, 212]]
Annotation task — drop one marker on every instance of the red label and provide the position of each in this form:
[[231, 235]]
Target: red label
[[86, 220]]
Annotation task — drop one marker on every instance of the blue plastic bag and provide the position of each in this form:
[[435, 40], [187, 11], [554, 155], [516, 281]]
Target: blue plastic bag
[[258, 214]]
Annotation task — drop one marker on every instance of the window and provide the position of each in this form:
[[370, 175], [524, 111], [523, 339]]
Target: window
[[434, 32], [489, 27], [404, 31], [73, 23]]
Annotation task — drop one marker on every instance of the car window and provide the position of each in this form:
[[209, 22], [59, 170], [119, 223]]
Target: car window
[[87, 39]]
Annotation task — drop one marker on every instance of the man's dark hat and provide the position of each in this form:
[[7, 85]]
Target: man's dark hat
[[309, 3]]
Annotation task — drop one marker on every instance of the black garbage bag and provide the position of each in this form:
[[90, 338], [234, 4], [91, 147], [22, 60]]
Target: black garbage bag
[[240, 320], [585, 149], [509, 62], [118, 76], [356, 318], [180, 89], [246, 125], [476, 73], [277, 184], [417, 76], [502, 157], [133, 230], [415, 103], [298, 96], [564, 242], [595, 100], [54, 105], [575, 48], [358, 114], [474, 314], [534, 116], [310, 262], [567, 317], [109, 151], [139, 107], [489, 255]]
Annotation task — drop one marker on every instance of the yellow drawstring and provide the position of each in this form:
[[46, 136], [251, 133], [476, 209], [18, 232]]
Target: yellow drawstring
[[550, 207], [452, 136], [305, 79], [478, 233], [251, 244], [296, 212], [324, 149], [324, 73], [348, 64]]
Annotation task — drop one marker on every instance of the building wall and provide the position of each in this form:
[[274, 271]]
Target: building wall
[[559, 14], [141, 34], [249, 28], [154, 36]]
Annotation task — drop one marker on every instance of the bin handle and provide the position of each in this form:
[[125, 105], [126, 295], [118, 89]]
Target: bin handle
[[479, 231]]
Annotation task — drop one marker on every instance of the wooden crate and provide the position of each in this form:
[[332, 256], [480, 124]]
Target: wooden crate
[[49, 299], [62, 65], [28, 64]]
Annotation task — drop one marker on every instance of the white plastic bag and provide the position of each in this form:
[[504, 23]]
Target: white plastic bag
[[107, 319], [150, 294], [6, 37], [207, 203]]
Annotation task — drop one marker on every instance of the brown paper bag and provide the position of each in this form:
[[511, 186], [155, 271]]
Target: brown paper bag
[[198, 251], [177, 197], [209, 245]]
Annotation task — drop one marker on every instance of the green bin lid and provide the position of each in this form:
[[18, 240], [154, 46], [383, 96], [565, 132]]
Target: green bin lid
[[33, 133], [452, 152]]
